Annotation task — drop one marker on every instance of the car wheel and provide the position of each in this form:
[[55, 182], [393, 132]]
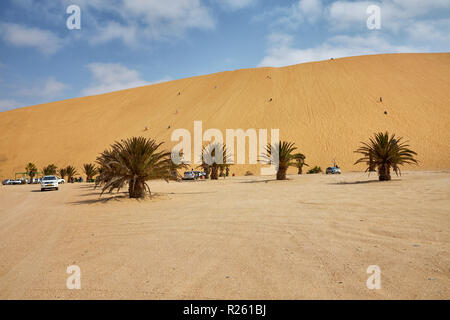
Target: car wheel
[[42, 189], [56, 188]]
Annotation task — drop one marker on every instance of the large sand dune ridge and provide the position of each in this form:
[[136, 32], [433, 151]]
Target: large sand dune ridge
[[326, 107]]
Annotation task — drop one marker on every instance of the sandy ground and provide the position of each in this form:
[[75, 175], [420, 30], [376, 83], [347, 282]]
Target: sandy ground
[[326, 107], [311, 237]]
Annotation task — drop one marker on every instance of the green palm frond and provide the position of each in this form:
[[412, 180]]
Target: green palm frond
[[384, 151], [134, 161]]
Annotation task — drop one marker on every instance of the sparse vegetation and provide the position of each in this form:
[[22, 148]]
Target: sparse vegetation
[[31, 171], [133, 161], [49, 170], [210, 162], [300, 162], [62, 173], [383, 152], [315, 170], [286, 157], [71, 173], [90, 171]]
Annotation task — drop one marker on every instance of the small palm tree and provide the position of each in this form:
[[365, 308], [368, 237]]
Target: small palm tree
[[383, 152], [71, 172], [133, 161], [213, 161], [300, 162], [206, 168], [286, 157], [49, 170], [175, 169], [31, 170], [62, 173], [90, 171]]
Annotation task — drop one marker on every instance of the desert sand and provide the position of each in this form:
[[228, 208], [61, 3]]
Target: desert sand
[[311, 237], [326, 107]]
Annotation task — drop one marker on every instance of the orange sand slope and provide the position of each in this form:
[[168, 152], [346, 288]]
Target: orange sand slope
[[326, 107]]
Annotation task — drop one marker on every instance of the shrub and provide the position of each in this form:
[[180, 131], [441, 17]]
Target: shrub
[[315, 170]]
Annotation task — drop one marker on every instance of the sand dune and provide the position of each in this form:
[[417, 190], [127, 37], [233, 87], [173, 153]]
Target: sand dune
[[326, 107]]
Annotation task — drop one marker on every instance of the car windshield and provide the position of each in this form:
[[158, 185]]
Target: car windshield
[[49, 178]]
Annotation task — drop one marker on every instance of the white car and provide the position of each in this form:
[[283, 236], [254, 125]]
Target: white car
[[10, 182], [61, 180], [49, 182]]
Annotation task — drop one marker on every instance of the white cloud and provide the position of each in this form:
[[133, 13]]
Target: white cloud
[[436, 30], [282, 53], [130, 21], [236, 4], [137, 20], [395, 14], [108, 77], [20, 36], [311, 9], [47, 89], [114, 30], [9, 104]]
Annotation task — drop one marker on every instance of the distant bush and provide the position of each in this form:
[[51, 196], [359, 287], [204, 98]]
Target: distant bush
[[249, 173], [315, 170]]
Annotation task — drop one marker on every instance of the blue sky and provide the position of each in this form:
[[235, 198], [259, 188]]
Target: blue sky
[[129, 43]]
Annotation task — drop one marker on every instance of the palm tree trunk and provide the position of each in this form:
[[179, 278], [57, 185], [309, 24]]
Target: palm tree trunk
[[300, 169], [384, 172], [281, 173], [207, 172], [136, 191], [214, 172]]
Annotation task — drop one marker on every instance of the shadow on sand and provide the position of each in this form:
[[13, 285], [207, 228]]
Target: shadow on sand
[[362, 182], [103, 199], [259, 181]]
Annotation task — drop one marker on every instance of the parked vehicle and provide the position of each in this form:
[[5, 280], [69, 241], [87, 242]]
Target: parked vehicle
[[8, 182], [190, 175], [333, 170], [49, 182], [201, 174], [61, 181]]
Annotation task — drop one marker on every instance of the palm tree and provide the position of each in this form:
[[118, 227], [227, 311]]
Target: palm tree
[[383, 152], [49, 170], [285, 152], [133, 161], [175, 169], [71, 172], [90, 170], [31, 170], [212, 162], [206, 167], [300, 162], [62, 173]]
